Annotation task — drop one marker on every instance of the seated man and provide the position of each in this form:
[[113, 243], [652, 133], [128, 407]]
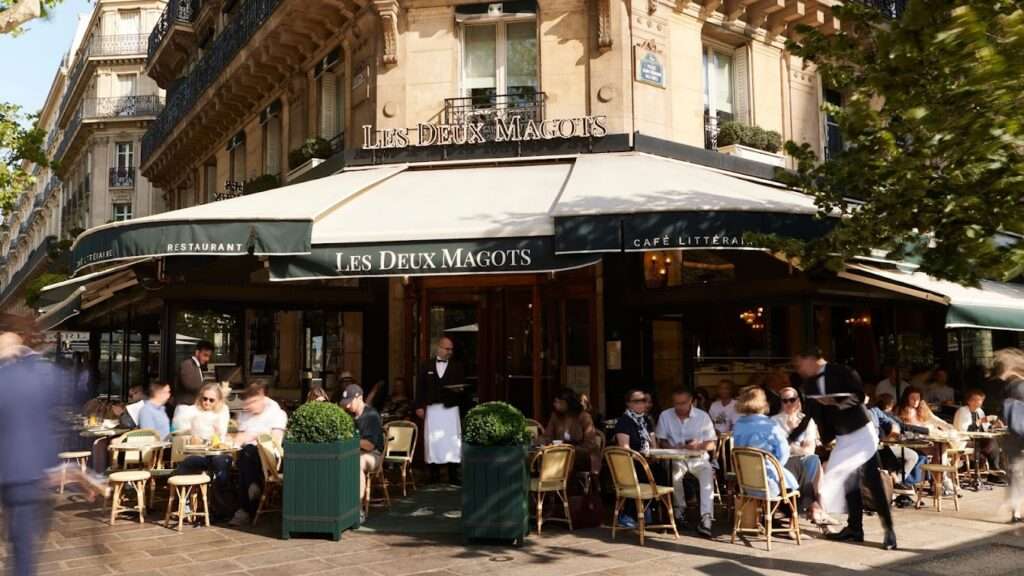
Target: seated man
[[136, 397], [260, 415], [686, 426], [971, 418], [153, 414], [371, 436]]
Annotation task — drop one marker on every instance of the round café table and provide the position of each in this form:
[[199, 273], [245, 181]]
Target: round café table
[[669, 454], [204, 450], [976, 438]]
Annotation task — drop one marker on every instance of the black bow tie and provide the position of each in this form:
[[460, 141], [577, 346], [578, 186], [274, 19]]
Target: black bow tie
[[439, 361]]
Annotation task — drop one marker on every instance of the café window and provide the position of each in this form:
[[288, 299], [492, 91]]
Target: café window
[[122, 211], [669, 268], [270, 119], [833, 135], [499, 51], [330, 74]]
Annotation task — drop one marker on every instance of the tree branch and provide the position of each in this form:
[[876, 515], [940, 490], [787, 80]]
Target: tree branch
[[21, 12]]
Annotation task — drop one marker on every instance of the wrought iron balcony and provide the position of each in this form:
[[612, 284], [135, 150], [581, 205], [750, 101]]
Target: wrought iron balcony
[[890, 8], [122, 177], [102, 47], [485, 109], [176, 12], [252, 15], [711, 126], [122, 106]]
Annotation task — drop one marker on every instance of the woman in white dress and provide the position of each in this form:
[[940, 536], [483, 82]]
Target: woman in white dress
[[205, 423]]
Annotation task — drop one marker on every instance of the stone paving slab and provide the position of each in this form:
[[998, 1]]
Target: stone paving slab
[[977, 541]]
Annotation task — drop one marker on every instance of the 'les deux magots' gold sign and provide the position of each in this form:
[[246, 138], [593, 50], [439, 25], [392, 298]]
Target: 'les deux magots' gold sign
[[501, 130]]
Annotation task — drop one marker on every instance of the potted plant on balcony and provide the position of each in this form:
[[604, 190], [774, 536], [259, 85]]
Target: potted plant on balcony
[[311, 153], [751, 142], [261, 183], [321, 471], [495, 485]]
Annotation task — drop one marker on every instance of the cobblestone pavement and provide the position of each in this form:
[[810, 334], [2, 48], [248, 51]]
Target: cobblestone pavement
[[977, 540]]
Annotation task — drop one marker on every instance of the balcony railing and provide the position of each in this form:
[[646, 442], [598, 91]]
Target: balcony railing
[[101, 47], [711, 126], [122, 177], [486, 109], [69, 134], [177, 11], [890, 8], [122, 106], [210, 66]]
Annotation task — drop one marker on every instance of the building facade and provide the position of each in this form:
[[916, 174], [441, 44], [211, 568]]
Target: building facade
[[95, 114]]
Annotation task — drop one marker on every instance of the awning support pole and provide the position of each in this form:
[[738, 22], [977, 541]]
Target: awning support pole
[[538, 371]]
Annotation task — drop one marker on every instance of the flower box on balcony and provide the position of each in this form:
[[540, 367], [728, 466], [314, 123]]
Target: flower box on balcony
[[754, 154]]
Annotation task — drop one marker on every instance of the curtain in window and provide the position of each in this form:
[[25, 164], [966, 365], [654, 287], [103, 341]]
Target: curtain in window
[[521, 59], [480, 62]]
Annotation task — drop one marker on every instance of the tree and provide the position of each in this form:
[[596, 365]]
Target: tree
[[21, 140], [932, 120]]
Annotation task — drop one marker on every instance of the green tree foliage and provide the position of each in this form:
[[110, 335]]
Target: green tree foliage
[[933, 123]]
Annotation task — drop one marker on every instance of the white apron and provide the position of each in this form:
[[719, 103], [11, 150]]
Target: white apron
[[851, 452], [442, 435]]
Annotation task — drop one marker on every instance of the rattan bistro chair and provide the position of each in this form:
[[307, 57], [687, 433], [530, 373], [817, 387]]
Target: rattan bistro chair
[[554, 465], [535, 428], [622, 464], [273, 477], [751, 468], [400, 448]]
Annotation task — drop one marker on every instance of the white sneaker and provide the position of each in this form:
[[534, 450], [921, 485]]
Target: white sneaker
[[241, 518], [704, 528]]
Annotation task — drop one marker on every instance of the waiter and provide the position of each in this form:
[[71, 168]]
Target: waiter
[[855, 455], [437, 402], [190, 373]]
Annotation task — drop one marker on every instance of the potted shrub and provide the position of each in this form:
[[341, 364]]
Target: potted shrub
[[312, 152], [495, 481], [321, 471], [751, 142], [261, 184]]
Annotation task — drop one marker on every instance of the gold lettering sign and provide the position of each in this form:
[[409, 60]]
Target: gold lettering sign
[[499, 130]]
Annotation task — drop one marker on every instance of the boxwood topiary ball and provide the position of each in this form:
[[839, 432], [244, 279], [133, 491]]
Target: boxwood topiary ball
[[320, 423], [495, 424]]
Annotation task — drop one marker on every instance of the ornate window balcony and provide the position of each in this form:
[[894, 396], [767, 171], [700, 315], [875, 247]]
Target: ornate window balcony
[[169, 42], [111, 47], [487, 108], [107, 109], [122, 177]]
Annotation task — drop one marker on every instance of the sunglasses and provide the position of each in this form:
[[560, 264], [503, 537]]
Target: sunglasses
[[789, 400], [209, 399], [636, 400]]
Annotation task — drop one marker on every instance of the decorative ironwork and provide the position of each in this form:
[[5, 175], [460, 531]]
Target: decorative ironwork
[[103, 47], [485, 109], [232, 189], [176, 12], [122, 106], [69, 134], [711, 132], [252, 15], [123, 177]]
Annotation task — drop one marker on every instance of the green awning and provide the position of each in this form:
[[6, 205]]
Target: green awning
[[988, 306], [54, 316]]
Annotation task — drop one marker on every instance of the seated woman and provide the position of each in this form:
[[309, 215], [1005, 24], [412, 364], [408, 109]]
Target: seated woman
[[571, 424], [317, 394], [803, 462], [904, 462], [754, 429], [208, 421], [914, 411]]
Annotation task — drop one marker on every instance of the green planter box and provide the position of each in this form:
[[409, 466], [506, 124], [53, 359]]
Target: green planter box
[[495, 493], [321, 488]]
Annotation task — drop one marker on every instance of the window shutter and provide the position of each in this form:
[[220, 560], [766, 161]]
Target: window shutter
[[328, 100], [128, 22], [272, 162], [741, 83]]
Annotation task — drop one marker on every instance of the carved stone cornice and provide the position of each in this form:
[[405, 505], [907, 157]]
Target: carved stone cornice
[[388, 11]]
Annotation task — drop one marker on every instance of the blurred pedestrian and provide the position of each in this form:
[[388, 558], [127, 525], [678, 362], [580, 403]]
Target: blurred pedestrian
[[1009, 367]]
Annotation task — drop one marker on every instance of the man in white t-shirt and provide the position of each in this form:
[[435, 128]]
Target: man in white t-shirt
[[684, 426], [892, 385], [261, 415], [723, 410]]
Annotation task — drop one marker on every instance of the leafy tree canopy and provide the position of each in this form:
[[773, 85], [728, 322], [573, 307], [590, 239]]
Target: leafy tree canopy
[[933, 123]]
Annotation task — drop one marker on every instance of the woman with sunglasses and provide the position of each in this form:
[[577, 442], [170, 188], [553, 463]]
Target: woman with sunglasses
[[803, 462], [206, 423]]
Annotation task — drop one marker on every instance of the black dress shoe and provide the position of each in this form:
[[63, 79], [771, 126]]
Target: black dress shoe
[[889, 543], [847, 535]]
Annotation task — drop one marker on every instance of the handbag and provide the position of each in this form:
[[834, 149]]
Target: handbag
[[587, 508]]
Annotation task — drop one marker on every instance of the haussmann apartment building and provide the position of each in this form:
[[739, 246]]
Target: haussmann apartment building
[[563, 187]]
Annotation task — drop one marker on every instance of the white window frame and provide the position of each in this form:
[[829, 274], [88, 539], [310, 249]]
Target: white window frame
[[500, 47], [710, 80], [125, 214], [130, 156]]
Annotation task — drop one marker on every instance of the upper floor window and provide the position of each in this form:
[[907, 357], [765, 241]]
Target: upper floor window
[[125, 85], [499, 51], [236, 160], [129, 22], [330, 75], [122, 211], [725, 72], [833, 135], [210, 179], [270, 119], [124, 156]]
